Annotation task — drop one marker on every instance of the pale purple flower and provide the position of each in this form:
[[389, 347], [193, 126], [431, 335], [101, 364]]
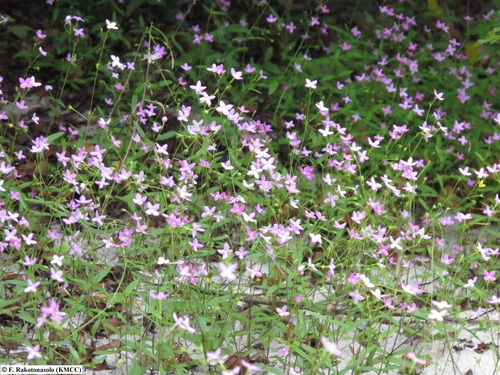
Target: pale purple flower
[[271, 18], [217, 69], [40, 34], [283, 350], [32, 287], [414, 358], [226, 251], [237, 75], [159, 295], [51, 310], [56, 275], [494, 300], [227, 165], [28, 261], [183, 323], [228, 272], [282, 311], [249, 366], [489, 276], [33, 353], [356, 296], [445, 259], [438, 96], [215, 358], [412, 289], [40, 144]]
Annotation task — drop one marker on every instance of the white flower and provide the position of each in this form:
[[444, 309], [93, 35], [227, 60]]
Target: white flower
[[494, 300], [162, 261], [183, 323], [57, 260], [441, 305], [227, 166], [315, 238], [311, 84], [331, 347], [438, 96], [437, 315], [111, 25], [228, 272]]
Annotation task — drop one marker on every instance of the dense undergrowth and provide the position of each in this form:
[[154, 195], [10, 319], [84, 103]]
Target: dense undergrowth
[[239, 191]]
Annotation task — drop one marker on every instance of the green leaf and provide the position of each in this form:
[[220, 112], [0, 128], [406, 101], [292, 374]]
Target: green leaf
[[274, 85], [268, 54], [133, 6], [51, 138], [271, 290], [131, 287], [21, 31], [167, 135]]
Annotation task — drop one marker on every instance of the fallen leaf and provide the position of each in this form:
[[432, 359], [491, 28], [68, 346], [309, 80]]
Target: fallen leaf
[[110, 325], [113, 344], [103, 366]]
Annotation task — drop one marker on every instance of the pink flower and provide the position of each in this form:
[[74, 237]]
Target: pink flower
[[353, 278], [445, 259], [331, 347], [489, 276], [271, 18], [291, 27], [159, 296], [40, 34], [388, 303], [412, 289], [307, 172]]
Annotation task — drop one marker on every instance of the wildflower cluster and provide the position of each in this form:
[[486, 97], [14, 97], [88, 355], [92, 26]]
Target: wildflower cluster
[[286, 202]]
